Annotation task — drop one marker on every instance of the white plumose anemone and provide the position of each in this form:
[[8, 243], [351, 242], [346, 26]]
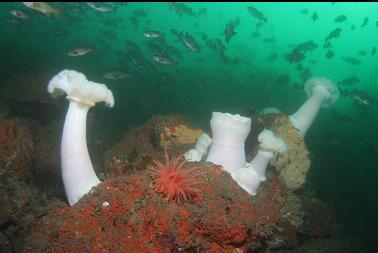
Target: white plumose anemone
[[77, 170], [229, 133], [321, 91]]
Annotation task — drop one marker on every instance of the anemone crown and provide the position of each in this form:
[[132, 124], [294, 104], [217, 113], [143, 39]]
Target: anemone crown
[[175, 183]]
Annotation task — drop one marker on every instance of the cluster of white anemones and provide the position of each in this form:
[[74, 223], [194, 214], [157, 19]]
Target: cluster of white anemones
[[229, 133]]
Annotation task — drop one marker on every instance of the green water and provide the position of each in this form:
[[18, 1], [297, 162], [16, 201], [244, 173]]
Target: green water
[[344, 154]]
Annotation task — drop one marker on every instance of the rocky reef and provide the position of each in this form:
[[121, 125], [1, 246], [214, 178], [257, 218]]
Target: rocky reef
[[125, 212], [225, 219]]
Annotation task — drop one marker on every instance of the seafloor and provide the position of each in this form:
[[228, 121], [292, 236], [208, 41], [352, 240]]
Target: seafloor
[[35, 217]]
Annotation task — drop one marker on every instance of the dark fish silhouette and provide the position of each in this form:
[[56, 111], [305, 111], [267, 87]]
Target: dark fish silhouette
[[257, 14], [298, 52], [340, 19], [352, 80], [295, 57], [361, 98], [352, 60], [201, 12], [333, 34], [188, 40], [330, 54], [306, 46], [327, 45], [181, 9], [229, 32], [365, 22], [217, 46], [314, 16]]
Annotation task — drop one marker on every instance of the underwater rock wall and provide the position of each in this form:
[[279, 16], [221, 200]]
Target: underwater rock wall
[[125, 212]]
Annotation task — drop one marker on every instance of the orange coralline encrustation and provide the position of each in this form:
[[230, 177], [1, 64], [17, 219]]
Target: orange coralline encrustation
[[175, 183]]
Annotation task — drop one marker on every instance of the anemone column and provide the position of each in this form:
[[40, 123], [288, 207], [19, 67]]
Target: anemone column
[[229, 133], [269, 146], [77, 170], [199, 151], [253, 173], [321, 91]]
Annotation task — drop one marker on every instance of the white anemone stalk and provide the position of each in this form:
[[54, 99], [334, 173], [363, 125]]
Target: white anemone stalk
[[77, 170], [229, 133], [250, 177], [321, 91], [269, 146], [200, 150]]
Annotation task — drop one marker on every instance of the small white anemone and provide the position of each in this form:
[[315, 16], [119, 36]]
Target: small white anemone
[[269, 142], [200, 150], [269, 146]]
